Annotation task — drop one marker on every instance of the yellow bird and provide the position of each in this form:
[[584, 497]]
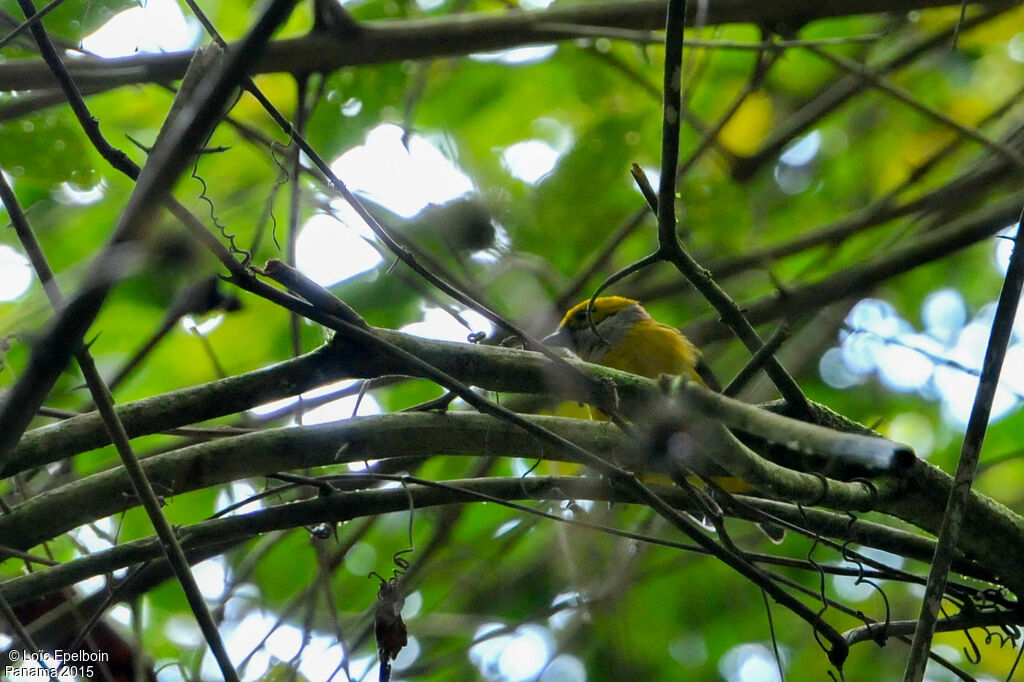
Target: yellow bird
[[621, 334]]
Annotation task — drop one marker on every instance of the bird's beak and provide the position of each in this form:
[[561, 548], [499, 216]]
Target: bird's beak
[[561, 338]]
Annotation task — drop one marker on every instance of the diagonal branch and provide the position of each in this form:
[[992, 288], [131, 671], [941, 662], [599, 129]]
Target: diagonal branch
[[953, 518], [51, 355], [861, 278]]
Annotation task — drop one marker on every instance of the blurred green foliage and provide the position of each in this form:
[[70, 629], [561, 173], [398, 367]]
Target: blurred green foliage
[[599, 100]]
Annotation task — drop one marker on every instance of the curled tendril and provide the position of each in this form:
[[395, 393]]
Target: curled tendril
[[400, 562], [821, 576], [1000, 635], [877, 635], [974, 655], [1016, 662], [872, 490], [221, 227], [282, 179], [848, 530], [824, 489]]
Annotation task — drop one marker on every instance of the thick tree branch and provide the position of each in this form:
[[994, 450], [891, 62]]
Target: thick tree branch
[[912, 496], [406, 435], [295, 448], [492, 368], [344, 506], [389, 41]]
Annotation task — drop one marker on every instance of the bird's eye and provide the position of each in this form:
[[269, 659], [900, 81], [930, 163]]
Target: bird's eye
[[580, 315]]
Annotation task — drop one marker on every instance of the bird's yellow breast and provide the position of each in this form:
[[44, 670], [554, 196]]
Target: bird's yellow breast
[[650, 349]]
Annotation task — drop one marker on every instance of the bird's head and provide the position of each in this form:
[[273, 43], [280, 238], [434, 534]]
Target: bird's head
[[591, 335]]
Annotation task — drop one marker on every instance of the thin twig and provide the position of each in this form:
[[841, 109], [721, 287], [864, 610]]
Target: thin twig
[[867, 276], [29, 22], [880, 83], [54, 349], [958, 193], [830, 98], [115, 428], [669, 247], [383, 233], [166, 168], [23, 637], [1002, 327], [757, 361], [710, 136]]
